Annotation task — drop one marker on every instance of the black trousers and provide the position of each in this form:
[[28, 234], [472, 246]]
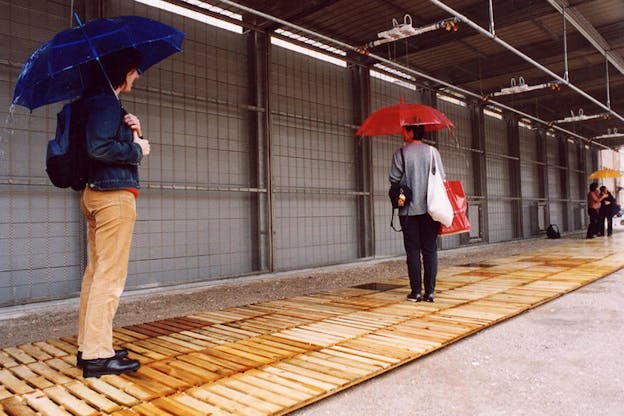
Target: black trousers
[[420, 237], [601, 226], [594, 227]]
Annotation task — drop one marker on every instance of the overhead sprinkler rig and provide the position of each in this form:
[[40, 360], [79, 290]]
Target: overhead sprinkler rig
[[520, 86], [406, 30], [581, 117], [611, 134], [413, 72]]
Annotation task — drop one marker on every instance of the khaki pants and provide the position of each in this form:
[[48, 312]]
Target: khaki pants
[[110, 222]]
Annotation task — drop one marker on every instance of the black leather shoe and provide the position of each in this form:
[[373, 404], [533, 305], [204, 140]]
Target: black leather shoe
[[429, 297], [414, 298], [118, 354], [103, 366]]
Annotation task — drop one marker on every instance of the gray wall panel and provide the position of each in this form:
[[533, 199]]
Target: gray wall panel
[[204, 209]]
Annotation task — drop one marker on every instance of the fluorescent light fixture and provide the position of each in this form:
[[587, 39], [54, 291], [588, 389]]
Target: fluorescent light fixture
[[311, 42], [309, 52], [191, 14], [494, 114], [451, 99], [525, 124], [392, 80], [394, 72]]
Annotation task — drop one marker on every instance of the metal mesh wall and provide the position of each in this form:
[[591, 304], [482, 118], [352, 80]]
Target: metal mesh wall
[[313, 162], [203, 211], [384, 93], [554, 193], [456, 152], [498, 180], [40, 226], [193, 219], [530, 185]]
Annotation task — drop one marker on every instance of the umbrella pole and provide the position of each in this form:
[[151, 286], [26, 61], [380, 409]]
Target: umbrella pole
[[97, 57]]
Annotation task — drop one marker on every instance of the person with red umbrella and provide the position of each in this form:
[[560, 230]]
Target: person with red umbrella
[[420, 232]]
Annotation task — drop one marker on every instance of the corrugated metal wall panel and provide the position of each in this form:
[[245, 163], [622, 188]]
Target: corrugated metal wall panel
[[498, 180], [313, 160], [187, 230], [198, 214], [384, 93], [41, 228]]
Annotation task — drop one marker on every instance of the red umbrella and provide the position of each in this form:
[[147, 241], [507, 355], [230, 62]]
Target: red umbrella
[[391, 119]]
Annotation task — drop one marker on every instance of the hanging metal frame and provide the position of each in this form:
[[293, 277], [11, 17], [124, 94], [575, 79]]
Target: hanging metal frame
[[419, 74]]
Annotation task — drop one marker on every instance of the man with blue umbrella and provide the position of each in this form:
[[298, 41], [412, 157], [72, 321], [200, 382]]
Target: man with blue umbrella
[[97, 62]]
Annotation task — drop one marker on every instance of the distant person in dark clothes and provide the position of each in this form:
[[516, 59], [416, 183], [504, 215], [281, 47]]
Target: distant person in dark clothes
[[593, 209], [607, 210]]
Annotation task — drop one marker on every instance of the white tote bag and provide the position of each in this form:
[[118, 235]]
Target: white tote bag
[[438, 204]]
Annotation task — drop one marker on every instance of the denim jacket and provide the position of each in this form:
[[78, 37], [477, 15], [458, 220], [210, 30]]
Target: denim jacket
[[113, 156]]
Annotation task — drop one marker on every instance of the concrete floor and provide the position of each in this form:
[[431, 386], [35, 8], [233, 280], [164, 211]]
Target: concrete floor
[[55, 319], [562, 358]]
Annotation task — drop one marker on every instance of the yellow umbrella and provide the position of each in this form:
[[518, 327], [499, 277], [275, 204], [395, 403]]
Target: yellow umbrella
[[605, 173]]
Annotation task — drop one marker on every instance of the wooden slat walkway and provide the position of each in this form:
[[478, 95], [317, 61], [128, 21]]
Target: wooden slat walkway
[[273, 357]]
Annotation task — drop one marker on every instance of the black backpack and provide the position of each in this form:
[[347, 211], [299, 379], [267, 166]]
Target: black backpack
[[553, 231], [66, 158]]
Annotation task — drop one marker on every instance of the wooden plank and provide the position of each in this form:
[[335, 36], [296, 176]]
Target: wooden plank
[[209, 366], [50, 349], [149, 384], [162, 378], [74, 405], [225, 403], [62, 366], [6, 360], [144, 352], [13, 384], [262, 406], [203, 407], [287, 372], [322, 380], [15, 406], [246, 385], [24, 373], [175, 407], [110, 391], [366, 354], [213, 360], [191, 375], [40, 402], [49, 373], [35, 352], [63, 346], [275, 384], [4, 393], [133, 389], [93, 398], [149, 409], [19, 355]]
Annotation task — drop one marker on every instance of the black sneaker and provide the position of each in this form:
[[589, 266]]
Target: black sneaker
[[103, 366], [429, 297], [118, 354], [414, 298]]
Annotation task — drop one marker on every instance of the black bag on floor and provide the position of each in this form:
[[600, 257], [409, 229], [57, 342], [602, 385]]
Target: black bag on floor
[[553, 231]]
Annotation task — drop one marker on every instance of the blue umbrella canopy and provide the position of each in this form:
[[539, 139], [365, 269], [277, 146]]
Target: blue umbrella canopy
[[55, 71]]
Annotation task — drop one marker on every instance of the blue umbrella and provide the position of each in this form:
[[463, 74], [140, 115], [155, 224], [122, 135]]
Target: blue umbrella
[[53, 72]]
